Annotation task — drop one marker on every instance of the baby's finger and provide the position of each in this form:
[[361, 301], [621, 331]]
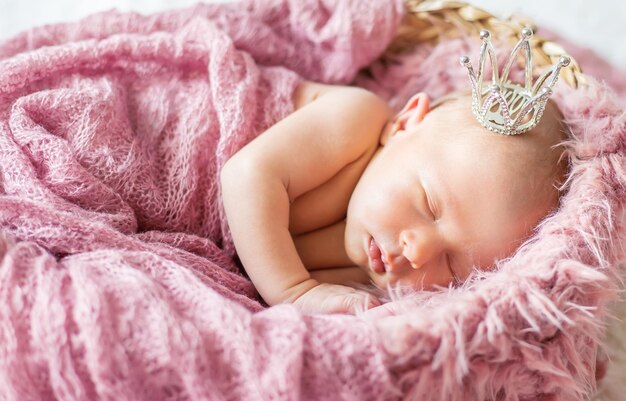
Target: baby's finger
[[354, 302], [391, 309], [372, 302]]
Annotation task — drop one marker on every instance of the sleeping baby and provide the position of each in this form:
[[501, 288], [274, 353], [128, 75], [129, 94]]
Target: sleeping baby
[[344, 192]]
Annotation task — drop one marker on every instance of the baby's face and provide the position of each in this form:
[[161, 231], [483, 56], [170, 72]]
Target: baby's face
[[441, 197]]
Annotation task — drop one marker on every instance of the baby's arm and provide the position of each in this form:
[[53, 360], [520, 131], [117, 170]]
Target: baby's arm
[[291, 158]]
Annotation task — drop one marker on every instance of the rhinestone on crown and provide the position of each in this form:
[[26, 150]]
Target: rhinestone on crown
[[501, 105]]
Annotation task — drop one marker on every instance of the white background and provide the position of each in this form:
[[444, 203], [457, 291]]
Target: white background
[[600, 24]]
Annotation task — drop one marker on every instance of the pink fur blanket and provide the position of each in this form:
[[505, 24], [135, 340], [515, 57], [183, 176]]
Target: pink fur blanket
[[117, 280]]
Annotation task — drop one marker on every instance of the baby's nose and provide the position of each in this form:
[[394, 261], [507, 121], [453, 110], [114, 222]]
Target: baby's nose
[[418, 247]]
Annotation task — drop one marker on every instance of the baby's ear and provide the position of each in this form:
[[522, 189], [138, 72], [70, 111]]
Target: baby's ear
[[414, 110], [411, 114]]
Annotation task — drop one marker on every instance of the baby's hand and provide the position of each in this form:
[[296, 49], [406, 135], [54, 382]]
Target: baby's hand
[[334, 298]]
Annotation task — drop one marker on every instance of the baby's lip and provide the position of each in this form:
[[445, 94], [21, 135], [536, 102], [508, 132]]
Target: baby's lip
[[381, 261], [376, 257]]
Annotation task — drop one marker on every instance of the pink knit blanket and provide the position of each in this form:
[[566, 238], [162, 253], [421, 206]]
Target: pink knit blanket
[[116, 276], [117, 281]]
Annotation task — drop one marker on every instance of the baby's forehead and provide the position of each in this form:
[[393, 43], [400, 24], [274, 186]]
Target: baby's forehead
[[456, 109], [452, 124], [453, 120], [457, 123]]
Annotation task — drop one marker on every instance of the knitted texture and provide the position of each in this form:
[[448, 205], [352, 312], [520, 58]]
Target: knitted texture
[[117, 281]]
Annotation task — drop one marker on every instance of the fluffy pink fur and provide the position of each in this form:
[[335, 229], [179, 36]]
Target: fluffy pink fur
[[531, 329], [116, 280]]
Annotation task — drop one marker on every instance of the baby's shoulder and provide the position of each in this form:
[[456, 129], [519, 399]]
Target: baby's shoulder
[[347, 111], [307, 92]]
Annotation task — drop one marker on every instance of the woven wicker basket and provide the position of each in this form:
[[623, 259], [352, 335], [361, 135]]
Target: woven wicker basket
[[428, 21]]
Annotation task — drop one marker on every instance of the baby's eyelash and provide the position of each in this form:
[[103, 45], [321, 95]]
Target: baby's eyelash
[[429, 206]]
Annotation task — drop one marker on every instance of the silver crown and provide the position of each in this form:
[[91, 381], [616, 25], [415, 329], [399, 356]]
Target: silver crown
[[503, 106]]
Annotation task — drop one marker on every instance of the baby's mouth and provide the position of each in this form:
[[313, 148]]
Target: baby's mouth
[[375, 257]]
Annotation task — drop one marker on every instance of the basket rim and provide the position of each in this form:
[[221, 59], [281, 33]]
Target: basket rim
[[427, 21]]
